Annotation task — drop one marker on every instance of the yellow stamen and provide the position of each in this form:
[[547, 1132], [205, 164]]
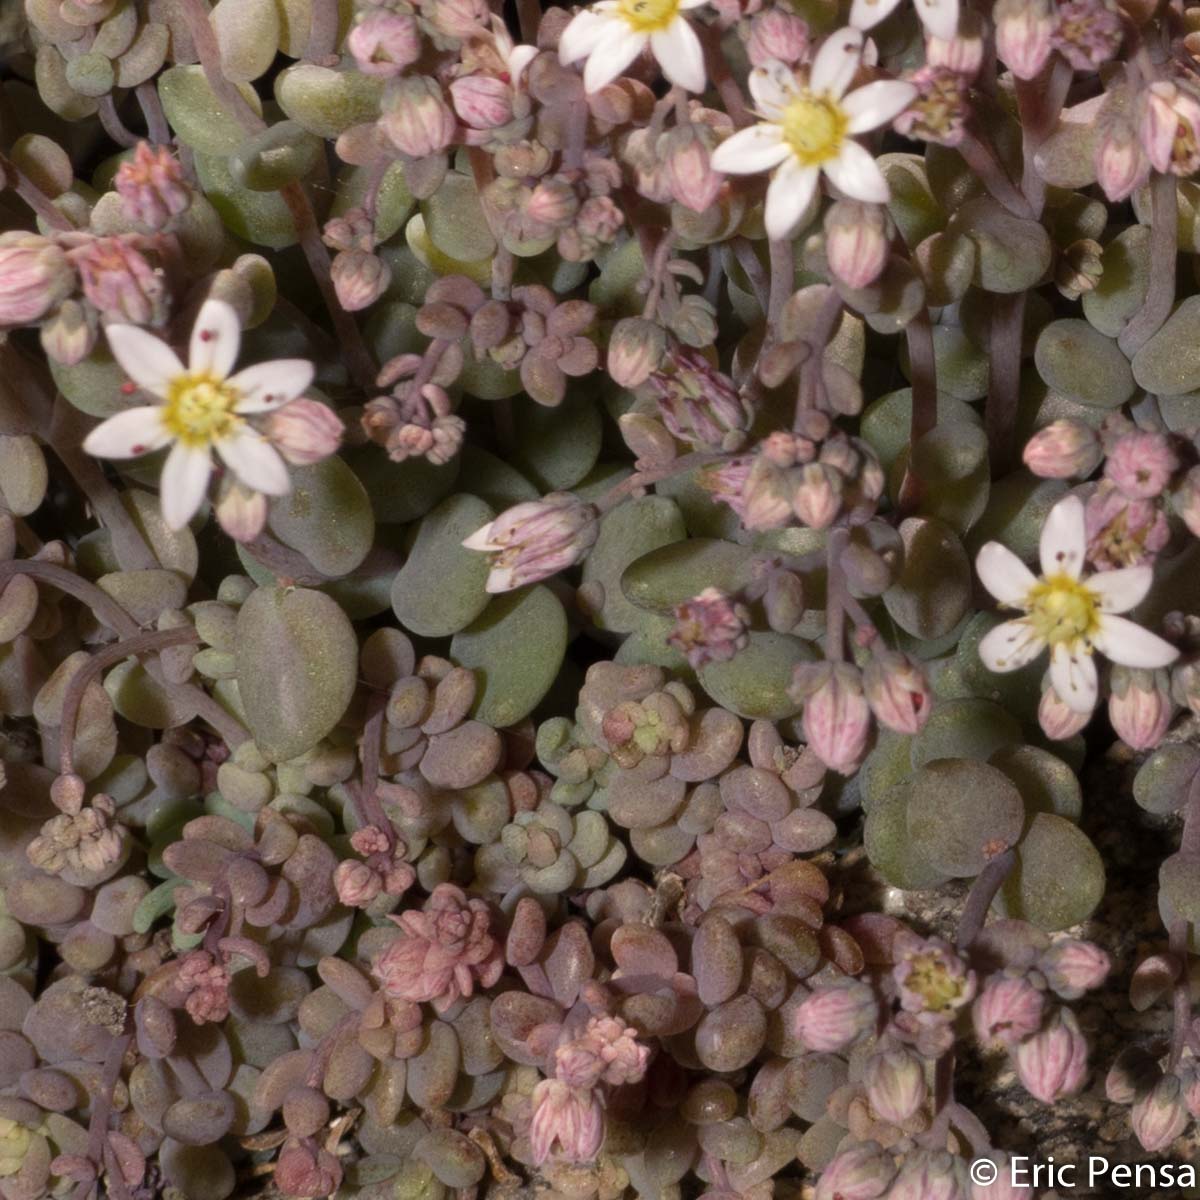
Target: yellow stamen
[[939, 988], [199, 409], [1062, 609], [815, 127], [648, 16]]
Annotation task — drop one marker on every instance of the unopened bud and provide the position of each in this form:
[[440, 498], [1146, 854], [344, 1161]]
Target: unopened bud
[[963, 53], [482, 101], [34, 276], [1064, 449], [1079, 269], [1121, 166], [1024, 29], [837, 1016], [687, 153], [930, 1175], [416, 118], [69, 334], [1160, 1116], [241, 511], [359, 278], [837, 719], [1008, 1010], [817, 495], [635, 351], [1141, 464], [119, 281], [356, 883], [305, 431], [776, 33], [1140, 706], [1072, 967], [1058, 719], [1002, 1186], [1053, 1063], [856, 242], [862, 1172], [458, 18], [898, 692], [895, 1083], [151, 186], [384, 43]]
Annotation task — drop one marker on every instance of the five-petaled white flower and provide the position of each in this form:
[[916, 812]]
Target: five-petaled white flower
[[201, 408], [940, 17], [809, 126], [1063, 610], [612, 33]]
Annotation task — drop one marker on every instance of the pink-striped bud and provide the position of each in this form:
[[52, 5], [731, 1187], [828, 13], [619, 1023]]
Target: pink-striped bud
[[152, 187], [777, 34], [119, 281], [856, 242], [1121, 166], [895, 1083], [930, 1175], [416, 119], [817, 495], [1141, 464], [837, 718], [384, 43], [359, 278], [836, 1016], [305, 431], [635, 351], [1065, 449], [69, 333], [1058, 719], [241, 511], [862, 1172], [1008, 1009], [569, 1119], [686, 159], [1140, 706], [1170, 128], [1160, 1116], [1002, 1187], [356, 883], [34, 276], [1024, 29], [1072, 967], [963, 53], [482, 101], [458, 18], [898, 692], [1053, 1063]]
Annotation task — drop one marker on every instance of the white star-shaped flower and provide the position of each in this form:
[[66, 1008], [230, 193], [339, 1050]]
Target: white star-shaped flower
[[808, 127], [1071, 614], [201, 408], [940, 17], [612, 33]]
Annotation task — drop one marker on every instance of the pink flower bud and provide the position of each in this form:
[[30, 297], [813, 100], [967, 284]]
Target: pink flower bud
[[416, 119], [1053, 1063], [1065, 449], [1023, 32], [356, 883], [119, 281], [1141, 464], [1140, 706], [856, 242], [686, 154], [306, 1170], [698, 403], [359, 278], [776, 33], [862, 1172], [384, 43], [930, 1175], [1002, 1187], [895, 1083], [535, 540], [1170, 128], [552, 205], [837, 719], [817, 495], [458, 18], [482, 102], [1008, 1009], [34, 276], [1160, 1116], [963, 53], [305, 431], [69, 334], [1072, 967], [898, 692], [241, 511], [1121, 167], [1058, 720], [836, 1016], [151, 186], [635, 350], [571, 1119]]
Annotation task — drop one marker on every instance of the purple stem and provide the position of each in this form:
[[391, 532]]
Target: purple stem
[[1160, 298], [157, 129], [1004, 377], [113, 125], [33, 195], [982, 160], [1181, 997], [102, 1108], [983, 891], [835, 596], [322, 33], [783, 275]]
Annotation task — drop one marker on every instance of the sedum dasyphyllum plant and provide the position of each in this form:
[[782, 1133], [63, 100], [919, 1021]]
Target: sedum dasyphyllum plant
[[560, 571]]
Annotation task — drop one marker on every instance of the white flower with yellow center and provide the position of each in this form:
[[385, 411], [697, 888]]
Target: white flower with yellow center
[[1071, 615], [808, 127], [940, 17], [611, 34], [201, 408]]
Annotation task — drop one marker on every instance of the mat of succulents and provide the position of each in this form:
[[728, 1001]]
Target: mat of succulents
[[599, 602]]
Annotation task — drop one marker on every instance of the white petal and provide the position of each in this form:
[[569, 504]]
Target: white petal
[[128, 434], [693, 3], [518, 59], [1119, 591], [940, 17], [216, 337], [581, 35], [773, 86], [837, 62], [1064, 539], [1124, 642], [749, 151], [500, 579], [1010, 646], [183, 484], [1073, 673], [864, 14], [877, 103], [1004, 574], [255, 462], [856, 174], [619, 46], [680, 55], [270, 384], [788, 197], [147, 360], [481, 539]]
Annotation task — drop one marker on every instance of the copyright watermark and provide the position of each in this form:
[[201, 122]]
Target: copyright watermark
[[1022, 1171]]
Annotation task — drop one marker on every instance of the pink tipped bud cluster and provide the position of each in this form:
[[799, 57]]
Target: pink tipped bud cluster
[[698, 403], [415, 422], [203, 982], [88, 840], [118, 279], [152, 187], [383, 873]]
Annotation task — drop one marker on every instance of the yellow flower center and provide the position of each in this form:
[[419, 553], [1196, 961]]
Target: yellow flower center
[[648, 16], [199, 409], [929, 978], [1062, 609], [815, 127], [14, 1144]]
